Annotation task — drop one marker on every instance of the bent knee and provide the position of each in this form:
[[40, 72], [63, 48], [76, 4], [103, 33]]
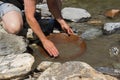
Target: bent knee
[[13, 28]]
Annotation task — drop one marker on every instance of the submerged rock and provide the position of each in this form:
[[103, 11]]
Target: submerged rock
[[91, 33], [114, 51], [75, 14], [95, 22], [109, 71]]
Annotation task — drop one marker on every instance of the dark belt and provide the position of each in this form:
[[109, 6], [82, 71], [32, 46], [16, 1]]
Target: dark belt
[[14, 2]]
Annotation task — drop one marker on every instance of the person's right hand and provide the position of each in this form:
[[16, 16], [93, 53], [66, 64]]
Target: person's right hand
[[50, 48]]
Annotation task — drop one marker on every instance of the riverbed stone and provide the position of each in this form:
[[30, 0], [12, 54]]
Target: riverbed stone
[[73, 70], [14, 65], [91, 33], [10, 43], [75, 14], [111, 27]]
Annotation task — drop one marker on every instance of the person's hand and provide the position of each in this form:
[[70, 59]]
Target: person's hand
[[50, 48], [66, 27]]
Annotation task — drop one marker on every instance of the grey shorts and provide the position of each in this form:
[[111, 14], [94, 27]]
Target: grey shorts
[[7, 7]]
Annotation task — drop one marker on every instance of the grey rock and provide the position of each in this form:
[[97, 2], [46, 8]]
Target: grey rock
[[110, 28], [10, 43], [91, 33], [75, 14], [109, 71]]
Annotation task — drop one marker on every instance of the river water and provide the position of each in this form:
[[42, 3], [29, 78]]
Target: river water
[[97, 52]]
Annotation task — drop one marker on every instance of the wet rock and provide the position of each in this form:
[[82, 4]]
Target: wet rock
[[91, 33], [109, 71], [10, 44], [15, 65], [75, 14], [110, 28], [113, 51], [73, 70]]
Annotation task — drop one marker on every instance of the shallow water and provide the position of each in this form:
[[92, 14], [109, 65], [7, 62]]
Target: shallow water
[[97, 53]]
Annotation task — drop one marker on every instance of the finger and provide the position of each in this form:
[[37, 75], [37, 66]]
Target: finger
[[48, 50], [70, 31], [53, 52]]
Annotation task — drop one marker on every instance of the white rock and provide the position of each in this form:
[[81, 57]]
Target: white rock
[[44, 65], [111, 27], [15, 65]]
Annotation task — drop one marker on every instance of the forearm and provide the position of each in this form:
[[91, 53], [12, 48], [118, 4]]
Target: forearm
[[29, 6], [55, 8], [29, 12], [36, 28]]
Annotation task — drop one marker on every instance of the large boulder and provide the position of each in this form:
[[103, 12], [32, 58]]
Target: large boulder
[[10, 43], [73, 70], [14, 65]]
